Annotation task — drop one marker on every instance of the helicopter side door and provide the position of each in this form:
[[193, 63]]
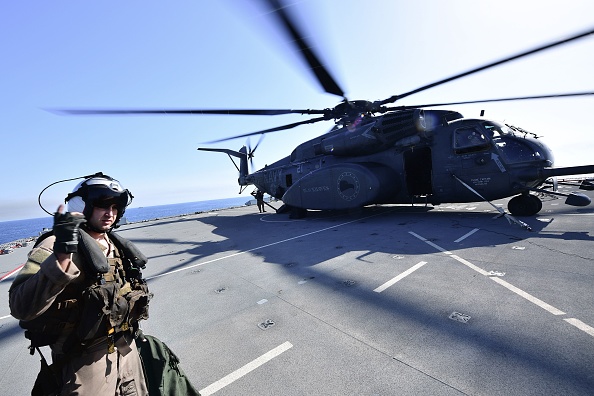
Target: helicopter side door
[[418, 167]]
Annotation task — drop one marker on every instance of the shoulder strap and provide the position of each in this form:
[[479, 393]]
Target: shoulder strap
[[92, 254], [88, 248], [131, 252]]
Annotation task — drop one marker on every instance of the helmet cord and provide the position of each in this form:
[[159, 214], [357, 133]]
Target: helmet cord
[[98, 174]]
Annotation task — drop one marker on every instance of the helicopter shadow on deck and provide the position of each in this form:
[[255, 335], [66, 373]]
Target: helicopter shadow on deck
[[395, 222], [386, 230]]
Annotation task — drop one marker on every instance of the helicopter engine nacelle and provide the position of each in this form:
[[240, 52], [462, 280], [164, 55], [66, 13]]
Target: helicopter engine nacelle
[[344, 186], [351, 141], [364, 136]]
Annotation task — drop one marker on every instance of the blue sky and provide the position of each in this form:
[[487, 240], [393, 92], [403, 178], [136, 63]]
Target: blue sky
[[226, 54]]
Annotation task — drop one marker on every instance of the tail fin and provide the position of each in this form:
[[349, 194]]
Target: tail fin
[[243, 166], [243, 161]]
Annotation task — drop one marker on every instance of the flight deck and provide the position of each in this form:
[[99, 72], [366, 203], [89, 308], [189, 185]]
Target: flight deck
[[385, 300]]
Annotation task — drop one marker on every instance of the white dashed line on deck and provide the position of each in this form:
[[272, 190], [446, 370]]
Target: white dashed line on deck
[[399, 277], [463, 237], [575, 322], [251, 366]]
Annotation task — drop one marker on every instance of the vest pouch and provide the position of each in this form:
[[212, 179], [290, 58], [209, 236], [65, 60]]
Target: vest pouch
[[103, 308], [47, 328], [138, 301]]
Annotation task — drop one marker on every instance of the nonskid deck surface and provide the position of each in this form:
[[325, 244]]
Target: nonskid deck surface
[[381, 301]]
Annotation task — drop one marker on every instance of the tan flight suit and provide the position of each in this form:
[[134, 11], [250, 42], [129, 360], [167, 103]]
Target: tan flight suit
[[94, 371]]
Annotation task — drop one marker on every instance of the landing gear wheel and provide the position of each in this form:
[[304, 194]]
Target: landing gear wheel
[[538, 203], [524, 205]]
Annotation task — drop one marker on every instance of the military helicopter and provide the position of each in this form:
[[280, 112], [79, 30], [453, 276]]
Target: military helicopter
[[379, 154]]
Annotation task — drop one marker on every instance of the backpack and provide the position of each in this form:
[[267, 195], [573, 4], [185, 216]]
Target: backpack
[[161, 368]]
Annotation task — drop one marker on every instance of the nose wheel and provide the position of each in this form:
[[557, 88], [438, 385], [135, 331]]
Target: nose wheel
[[524, 205]]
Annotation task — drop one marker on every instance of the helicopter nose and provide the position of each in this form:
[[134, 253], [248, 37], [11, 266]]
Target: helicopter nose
[[541, 150]]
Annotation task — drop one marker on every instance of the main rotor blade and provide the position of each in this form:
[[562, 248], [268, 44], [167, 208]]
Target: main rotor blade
[[491, 100], [323, 76], [280, 128], [184, 111], [490, 65]]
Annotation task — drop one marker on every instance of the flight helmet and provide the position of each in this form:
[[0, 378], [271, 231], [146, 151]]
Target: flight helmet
[[98, 191]]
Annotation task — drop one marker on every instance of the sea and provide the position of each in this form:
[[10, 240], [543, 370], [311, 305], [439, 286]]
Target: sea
[[16, 230]]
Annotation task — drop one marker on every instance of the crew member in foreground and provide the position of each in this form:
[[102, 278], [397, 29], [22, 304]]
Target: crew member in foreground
[[82, 293]]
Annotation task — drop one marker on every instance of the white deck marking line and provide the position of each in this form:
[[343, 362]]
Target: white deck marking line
[[5, 317], [251, 366], [528, 297], [580, 325], [260, 247], [399, 277], [428, 242], [503, 283], [463, 237], [470, 265]]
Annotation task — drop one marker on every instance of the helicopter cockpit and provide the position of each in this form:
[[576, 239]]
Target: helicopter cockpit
[[470, 139], [516, 146], [513, 144]]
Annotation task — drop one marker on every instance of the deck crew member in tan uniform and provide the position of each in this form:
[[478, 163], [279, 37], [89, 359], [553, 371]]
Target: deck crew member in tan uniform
[[81, 292]]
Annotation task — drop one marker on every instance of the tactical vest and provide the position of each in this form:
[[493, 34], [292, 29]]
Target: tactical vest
[[112, 299]]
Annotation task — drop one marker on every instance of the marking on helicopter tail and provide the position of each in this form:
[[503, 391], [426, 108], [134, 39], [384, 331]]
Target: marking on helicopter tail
[[392, 281]]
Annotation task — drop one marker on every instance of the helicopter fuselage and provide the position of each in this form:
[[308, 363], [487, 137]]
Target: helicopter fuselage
[[403, 157]]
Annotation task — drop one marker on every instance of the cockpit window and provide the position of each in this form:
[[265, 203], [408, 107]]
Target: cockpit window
[[469, 139], [513, 148], [494, 130]]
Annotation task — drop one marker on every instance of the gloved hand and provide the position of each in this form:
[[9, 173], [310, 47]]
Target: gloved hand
[[66, 228]]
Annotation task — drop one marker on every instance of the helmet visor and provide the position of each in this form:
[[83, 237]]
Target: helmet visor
[[105, 198]]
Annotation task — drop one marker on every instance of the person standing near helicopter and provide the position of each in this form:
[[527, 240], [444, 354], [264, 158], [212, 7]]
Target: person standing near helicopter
[[259, 195], [81, 292]]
